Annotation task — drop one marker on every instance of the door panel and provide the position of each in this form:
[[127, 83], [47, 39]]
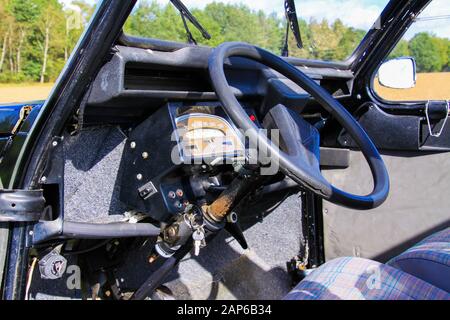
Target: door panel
[[392, 130], [418, 205]]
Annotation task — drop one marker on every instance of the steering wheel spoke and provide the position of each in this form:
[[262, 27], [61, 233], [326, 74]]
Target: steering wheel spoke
[[299, 140]]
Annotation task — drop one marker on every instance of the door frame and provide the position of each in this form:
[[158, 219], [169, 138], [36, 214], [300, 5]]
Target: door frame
[[86, 60]]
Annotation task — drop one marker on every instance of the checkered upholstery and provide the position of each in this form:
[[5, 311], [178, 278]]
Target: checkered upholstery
[[362, 279], [428, 260]]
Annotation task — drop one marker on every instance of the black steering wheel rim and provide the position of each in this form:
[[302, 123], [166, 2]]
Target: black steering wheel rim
[[313, 181]]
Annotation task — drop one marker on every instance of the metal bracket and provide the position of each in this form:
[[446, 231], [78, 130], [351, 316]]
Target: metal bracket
[[21, 205], [430, 130], [23, 114]]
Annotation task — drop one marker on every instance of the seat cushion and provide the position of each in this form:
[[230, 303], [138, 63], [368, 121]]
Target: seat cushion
[[428, 260], [363, 279]]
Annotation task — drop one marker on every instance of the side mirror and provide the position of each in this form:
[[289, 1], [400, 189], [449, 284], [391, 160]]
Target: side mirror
[[399, 73]]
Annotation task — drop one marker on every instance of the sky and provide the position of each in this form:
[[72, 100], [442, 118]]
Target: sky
[[356, 13]]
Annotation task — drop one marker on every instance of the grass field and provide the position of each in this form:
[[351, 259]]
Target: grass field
[[430, 86], [10, 93]]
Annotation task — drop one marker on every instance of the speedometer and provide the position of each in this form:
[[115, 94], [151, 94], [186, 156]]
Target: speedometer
[[204, 134], [207, 137]]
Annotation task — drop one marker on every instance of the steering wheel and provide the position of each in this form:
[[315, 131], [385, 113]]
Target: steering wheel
[[298, 150]]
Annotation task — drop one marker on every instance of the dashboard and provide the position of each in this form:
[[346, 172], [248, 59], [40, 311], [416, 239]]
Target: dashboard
[[189, 149], [168, 97], [135, 82]]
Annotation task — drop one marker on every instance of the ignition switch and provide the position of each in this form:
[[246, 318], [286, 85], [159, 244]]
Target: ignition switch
[[179, 232]]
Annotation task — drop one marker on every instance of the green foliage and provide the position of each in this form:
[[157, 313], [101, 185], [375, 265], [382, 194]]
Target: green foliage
[[443, 47], [8, 77], [35, 38], [428, 57], [30, 28], [24, 11], [401, 50]]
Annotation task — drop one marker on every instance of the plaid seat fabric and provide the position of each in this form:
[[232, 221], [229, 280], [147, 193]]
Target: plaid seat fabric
[[428, 260], [362, 279], [441, 236]]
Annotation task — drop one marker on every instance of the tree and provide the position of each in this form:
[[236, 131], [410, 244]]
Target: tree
[[4, 31], [443, 47], [309, 48], [154, 21], [401, 50], [25, 13], [34, 40], [51, 25], [350, 38], [424, 49]]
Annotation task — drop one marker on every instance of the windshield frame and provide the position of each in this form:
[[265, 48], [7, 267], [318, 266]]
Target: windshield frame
[[172, 45], [392, 23]]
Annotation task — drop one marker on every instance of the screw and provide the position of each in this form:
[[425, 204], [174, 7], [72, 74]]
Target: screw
[[358, 97], [55, 143], [325, 211], [133, 145], [31, 233], [43, 179], [145, 155], [139, 177]]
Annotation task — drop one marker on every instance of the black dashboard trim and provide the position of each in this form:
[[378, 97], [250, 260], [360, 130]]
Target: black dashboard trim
[[114, 97]]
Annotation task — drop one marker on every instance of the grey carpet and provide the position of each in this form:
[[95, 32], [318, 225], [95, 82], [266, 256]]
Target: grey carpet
[[91, 186], [225, 271], [222, 271]]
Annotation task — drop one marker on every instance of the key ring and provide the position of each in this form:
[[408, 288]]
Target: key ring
[[190, 221]]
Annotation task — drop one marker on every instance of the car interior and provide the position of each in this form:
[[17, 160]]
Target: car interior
[[191, 172]]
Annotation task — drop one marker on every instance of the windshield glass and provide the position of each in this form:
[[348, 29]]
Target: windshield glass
[[330, 29]]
